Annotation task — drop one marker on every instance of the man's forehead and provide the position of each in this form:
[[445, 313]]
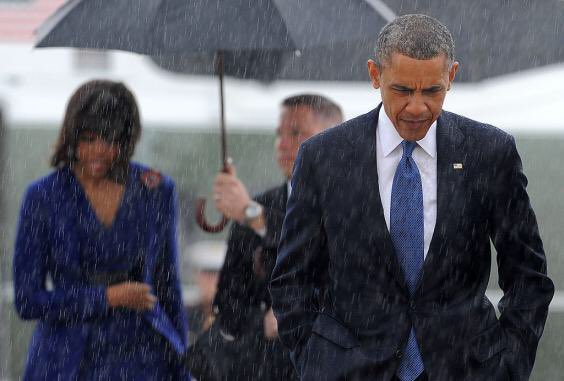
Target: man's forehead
[[399, 60], [411, 72]]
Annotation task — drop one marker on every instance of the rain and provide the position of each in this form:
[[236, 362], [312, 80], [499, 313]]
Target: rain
[[510, 75]]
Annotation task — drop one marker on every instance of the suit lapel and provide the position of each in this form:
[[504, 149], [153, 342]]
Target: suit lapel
[[373, 227], [449, 180], [450, 175]]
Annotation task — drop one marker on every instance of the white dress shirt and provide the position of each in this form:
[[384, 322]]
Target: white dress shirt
[[389, 153]]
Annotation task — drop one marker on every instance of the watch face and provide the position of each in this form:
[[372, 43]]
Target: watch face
[[252, 210]]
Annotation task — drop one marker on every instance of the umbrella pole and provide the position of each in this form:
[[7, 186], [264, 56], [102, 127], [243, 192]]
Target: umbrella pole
[[220, 72], [201, 202]]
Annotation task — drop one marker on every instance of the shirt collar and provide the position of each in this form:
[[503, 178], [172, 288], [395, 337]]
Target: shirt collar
[[390, 139]]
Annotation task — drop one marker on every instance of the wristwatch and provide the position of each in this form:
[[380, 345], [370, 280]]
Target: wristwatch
[[252, 211]]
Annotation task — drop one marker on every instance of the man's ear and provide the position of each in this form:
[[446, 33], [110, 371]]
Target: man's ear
[[452, 73], [374, 73]]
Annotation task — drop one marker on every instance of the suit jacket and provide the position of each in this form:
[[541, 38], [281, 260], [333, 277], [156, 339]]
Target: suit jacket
[[58, 235], [243, 281], [338, 291], [242, 298]]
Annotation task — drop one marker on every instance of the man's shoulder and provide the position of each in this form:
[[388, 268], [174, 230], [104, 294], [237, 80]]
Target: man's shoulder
[[485, 143], [345, 133], [473, 128], [272, 195]]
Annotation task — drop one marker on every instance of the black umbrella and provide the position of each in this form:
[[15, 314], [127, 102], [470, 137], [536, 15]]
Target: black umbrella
[[492, 38], [219, 31]]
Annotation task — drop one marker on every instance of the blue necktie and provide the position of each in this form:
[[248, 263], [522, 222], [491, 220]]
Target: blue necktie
[[406, 230]]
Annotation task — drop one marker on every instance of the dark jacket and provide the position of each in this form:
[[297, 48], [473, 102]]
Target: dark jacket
[[244, 278], [338, 291], [243, 296]]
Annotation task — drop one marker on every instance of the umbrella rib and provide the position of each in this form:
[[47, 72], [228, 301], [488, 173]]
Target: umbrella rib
[[294, 46], [382, 8]]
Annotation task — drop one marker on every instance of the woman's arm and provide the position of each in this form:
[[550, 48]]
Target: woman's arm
[[167, 278], [68, 301]]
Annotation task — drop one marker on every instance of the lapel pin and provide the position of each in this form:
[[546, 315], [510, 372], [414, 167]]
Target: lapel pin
[[457, 165]]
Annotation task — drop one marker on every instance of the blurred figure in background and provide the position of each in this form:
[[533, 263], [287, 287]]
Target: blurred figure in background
[[242, 304], [206, 259], [95, 259]]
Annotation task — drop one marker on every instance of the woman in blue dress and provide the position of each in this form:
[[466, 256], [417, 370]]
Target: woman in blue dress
[[95, 258]]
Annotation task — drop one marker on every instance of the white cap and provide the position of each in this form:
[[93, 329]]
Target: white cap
[[207, 255]]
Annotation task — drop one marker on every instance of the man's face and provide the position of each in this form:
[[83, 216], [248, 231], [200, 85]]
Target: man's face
[[413, 91], [296, 125]]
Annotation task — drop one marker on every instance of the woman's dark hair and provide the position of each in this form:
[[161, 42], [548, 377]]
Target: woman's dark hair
[[107, 109]]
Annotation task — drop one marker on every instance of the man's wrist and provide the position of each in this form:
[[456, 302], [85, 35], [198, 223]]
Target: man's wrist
[[252, 212], [258, 225]]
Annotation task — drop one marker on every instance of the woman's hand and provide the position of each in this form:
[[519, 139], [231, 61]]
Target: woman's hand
[[133, 295]]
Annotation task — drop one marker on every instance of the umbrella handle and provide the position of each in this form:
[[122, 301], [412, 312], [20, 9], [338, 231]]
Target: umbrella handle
[[201, 218]]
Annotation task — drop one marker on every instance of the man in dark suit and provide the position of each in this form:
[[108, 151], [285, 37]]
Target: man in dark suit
[[385, 256], [243, 302]]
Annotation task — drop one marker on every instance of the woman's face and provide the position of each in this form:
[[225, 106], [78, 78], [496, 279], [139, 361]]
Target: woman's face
[[95, 155]]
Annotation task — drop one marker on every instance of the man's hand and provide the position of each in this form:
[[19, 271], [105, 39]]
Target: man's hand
[[230, 195], [133, 295], [270, 325]]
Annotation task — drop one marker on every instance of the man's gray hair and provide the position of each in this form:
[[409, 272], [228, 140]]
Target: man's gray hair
[[416, 36]]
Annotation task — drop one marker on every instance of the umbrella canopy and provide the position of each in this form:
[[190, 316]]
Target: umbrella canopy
[[492, 38], [168, 27], [222, 31]]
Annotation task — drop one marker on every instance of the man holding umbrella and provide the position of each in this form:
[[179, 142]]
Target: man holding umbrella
[[384, 255], [243, 302]]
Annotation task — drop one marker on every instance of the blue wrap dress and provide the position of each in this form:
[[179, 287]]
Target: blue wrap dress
[[64, 260]]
